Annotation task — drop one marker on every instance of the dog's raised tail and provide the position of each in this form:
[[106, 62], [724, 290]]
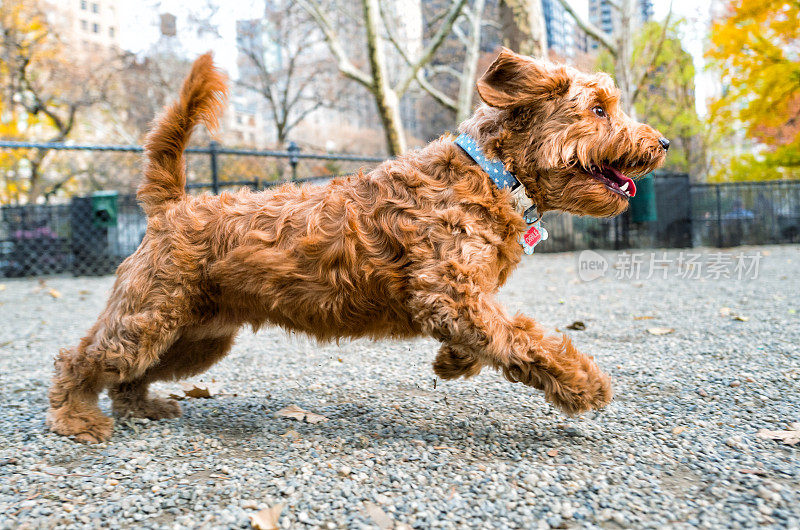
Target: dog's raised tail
[[202, 99]]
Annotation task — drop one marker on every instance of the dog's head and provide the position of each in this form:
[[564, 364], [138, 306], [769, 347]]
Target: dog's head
[[564, 135]]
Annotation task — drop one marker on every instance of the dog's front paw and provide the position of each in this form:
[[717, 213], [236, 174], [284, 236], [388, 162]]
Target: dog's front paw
[[85, 424], [452, 364], [583, 394], [582, 388]]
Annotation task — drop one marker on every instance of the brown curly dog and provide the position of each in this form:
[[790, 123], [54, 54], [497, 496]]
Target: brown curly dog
[[418, 246]]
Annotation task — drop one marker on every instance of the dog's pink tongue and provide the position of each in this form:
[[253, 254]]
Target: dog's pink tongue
[[631, 190], [631, 186]]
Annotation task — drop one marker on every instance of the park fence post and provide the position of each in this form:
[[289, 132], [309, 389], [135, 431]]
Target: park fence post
[[293, 160], [212, 152]]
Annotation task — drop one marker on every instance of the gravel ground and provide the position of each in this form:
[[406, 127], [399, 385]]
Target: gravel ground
[[676, 448]]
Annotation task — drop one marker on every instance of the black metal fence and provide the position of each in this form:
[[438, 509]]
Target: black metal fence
[[85, 237]]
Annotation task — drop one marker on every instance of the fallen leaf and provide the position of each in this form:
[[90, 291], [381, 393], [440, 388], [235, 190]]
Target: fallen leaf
[[199, 390], [295, 412], [2, 287], [789, 437], [552, 452], [84, 291], [648, 317], [267, 519], [378, 516], [752, 471], [741, 318], [54, 293], [660, 331], [291, 433], [678, 430], [577, 326]]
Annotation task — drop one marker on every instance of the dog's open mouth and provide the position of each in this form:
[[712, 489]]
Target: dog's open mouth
[[614, 180]]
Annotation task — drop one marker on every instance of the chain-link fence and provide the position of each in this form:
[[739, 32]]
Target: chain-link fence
[[91, 235]]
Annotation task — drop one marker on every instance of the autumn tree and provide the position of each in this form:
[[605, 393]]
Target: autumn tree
[[387, 85], [43, 86], [754, 50], [620, 47], [665, 95]]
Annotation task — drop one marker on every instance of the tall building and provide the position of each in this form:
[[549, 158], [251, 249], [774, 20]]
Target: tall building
[[560, 28], [87, 26], [603, 15]]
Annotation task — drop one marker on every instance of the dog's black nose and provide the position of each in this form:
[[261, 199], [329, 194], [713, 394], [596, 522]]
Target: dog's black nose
[[664, 143]]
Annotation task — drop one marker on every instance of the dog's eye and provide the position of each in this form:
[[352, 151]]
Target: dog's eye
[[600, 112]]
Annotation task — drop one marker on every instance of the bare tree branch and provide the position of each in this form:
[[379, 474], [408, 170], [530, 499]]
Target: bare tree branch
[[436, 41], [445, 100], [345, 66]]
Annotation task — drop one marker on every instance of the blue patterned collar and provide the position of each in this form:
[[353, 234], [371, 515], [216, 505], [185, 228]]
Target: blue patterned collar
[[504, 179], [494, 168]]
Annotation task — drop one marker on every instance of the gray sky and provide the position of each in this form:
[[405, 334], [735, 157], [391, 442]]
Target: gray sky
[[139, 25]]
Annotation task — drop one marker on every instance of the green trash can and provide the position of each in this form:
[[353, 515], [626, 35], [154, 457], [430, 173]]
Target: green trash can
[[104, 208], [643, 204]]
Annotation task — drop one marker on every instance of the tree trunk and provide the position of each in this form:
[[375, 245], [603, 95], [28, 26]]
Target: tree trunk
[[467, 82], [523, 27], [623, 60], [36, 185], [385, 98]]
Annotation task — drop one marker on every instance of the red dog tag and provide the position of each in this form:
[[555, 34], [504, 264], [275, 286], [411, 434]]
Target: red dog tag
[[532, 236]]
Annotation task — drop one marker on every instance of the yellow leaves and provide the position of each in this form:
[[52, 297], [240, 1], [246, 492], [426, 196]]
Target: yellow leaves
[[752, 48]]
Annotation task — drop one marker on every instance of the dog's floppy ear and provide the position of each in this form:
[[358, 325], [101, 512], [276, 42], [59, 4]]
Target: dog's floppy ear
[[513, 80]]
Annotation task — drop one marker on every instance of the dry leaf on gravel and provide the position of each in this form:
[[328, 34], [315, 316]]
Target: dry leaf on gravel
[[647, 317], [378, 516], [552, 452], [295, 412], [728, 312], [291, 433], [2, 287], [660, 331], [789, 437], [577, 326], [54, 293], [267, 519], [198, 390]]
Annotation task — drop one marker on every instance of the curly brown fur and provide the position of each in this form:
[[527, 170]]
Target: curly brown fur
[[418, 246]]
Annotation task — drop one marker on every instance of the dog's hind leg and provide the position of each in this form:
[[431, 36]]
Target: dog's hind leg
[[117, 349], [473, 326], [131, 399], [186, 357]]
